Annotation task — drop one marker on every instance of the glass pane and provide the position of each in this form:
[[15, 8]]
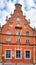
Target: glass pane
[[8, 53], [17, 32], [8, 39], [27, 54], [8, 32], [27, 33], [18, 54]]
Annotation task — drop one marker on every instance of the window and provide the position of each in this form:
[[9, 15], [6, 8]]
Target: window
[[8, 32], [8, 53], [27, 33], [18, 54], [8, 39], [18, 24], [27, 41], [17, 32], [10, 24], [18, 40], [18, 18], [27, 54]]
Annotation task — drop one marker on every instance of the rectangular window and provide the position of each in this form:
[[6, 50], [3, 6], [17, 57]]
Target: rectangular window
[[18, 40], [18, 54], [27, 41], [8, 53], [27, 54], [17, 32]]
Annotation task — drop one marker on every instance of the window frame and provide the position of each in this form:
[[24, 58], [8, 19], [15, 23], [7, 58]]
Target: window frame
[[8, 38], [25, 54], [20, 53], [18, 32], [7, 31], [10, 53], [26, 41], [18, 18], [28, 34], [16, 40]]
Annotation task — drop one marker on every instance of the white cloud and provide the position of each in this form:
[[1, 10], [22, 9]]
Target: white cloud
[[2, 4], [31, 14]]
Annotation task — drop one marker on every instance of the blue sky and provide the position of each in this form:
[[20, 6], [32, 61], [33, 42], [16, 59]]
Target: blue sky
[[28, 6]]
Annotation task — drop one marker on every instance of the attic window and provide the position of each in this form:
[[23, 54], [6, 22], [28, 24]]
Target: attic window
[[18, 19], [18, 24], [8, 32], [11, 24], [27, 33]]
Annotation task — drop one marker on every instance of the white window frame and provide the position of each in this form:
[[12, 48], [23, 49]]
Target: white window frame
[[11, 53], [21, 53], [25, 54]]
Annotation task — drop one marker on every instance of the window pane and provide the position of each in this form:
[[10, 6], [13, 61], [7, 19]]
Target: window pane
[[17, 40], [8, 32], [18, 53], [27, 54], [27, 41], [10, 24], [27, 33], [8, 53], [8, 39], [18, 18]]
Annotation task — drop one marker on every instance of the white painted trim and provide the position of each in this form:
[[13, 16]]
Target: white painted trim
[[21, 53], [5, 54], [25, 53]]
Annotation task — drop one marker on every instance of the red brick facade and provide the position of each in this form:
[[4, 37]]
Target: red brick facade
[[18, 35]]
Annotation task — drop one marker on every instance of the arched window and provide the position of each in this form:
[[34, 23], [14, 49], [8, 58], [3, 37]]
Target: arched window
[[27, 33], [8, 32], [8, 39]]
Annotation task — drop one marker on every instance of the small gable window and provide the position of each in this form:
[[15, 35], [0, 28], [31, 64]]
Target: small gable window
[[18, 25], [18, 18], [8, 32], [27, 33]]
